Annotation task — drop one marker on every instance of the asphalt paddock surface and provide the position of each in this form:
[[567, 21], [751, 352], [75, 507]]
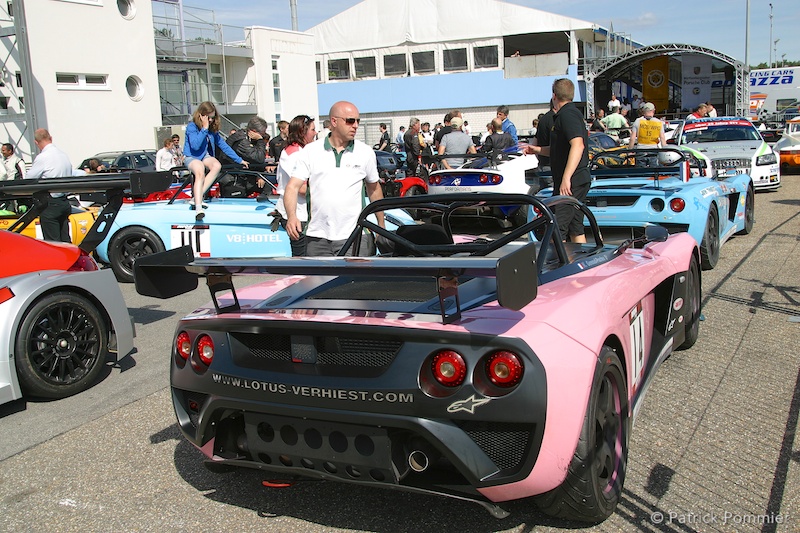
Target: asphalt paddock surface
[[713, 447]]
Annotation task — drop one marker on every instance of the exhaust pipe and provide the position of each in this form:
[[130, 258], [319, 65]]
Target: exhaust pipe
[[421, 456], [418, 461]]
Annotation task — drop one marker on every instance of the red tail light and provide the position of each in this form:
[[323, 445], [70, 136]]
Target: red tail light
[[677, 205], [449, 368], [183, 345], [84, 263], [497, 179], [484, 178], [504, 369], [435, 180], [205, 349]]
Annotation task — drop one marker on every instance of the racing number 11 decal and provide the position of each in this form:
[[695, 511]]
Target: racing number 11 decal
[[636, 318], [195, 235]]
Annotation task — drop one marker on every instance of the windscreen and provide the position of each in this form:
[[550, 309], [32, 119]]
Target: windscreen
[[719, 131]]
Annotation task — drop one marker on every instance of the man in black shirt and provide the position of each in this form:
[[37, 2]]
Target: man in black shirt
[[569, 158]]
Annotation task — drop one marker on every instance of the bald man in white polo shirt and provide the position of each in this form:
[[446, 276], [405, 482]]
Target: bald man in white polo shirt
[[337, 168]]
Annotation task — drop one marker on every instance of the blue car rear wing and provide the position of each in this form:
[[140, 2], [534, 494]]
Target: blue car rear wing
[[177, 271], [646, 163]]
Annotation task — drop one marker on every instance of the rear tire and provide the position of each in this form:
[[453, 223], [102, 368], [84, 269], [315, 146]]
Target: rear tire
[[129, 244], [693, 298], [749, 212], [709, 248], [596, 474], [61, 346]]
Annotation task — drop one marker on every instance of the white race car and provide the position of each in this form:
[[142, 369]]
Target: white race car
[[507, 172], [732, 144]]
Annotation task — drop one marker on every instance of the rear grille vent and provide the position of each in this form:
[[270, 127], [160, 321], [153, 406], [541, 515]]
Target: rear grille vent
[[505, 444], [354, 352], [611, 201]]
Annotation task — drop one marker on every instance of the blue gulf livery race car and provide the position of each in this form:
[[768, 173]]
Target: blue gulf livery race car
[[231, 227], [632, 189]]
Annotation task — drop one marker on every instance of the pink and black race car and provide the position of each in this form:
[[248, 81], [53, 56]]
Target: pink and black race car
[[484, 369]]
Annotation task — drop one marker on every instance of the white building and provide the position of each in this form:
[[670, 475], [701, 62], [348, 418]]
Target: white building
[[104, 75], [92, 74], [423, 58], [140, 64]]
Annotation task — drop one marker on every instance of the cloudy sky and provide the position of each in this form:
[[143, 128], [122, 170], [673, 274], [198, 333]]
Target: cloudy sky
[[716, 24]]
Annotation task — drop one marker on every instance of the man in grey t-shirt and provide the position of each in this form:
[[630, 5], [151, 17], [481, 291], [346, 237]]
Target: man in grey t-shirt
[[456, 142]]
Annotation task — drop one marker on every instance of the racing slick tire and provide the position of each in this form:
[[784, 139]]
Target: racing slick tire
[[709, 248], [128, 244], [596, 474], [61, 345], [415, 191], [749, 212], [693, 298]]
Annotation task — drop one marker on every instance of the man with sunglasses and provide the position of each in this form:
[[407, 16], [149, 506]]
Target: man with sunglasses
[[337, 169]]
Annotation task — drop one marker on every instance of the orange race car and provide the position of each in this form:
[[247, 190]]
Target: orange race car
[[79, 223]]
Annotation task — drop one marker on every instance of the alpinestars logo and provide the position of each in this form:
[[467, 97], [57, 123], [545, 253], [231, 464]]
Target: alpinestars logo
[[467, 405]]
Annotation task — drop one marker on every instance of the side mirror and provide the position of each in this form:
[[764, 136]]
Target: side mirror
[[672, 141]]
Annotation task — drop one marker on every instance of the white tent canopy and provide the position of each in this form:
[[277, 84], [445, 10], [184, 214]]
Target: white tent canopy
[[374, 24]]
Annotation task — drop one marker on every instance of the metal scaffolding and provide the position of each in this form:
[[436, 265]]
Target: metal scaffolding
[[611, 67]]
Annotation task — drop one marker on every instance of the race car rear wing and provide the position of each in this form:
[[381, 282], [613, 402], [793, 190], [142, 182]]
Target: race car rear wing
[[646, 163], [116, 187], [177, 271]]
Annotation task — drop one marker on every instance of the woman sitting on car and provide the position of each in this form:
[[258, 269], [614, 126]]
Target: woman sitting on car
[[202, 142]]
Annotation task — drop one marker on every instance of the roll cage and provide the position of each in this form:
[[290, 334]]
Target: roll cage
[[422, 250]]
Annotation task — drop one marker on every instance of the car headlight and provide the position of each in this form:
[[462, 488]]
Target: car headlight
[[766, 159]]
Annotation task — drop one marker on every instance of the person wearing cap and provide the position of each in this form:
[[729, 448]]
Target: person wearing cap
[[647, 131], [249, 143], [456, 142]]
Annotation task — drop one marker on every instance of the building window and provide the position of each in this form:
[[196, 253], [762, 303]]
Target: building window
[[92, 79], [134, 87], [365, 67], [126, 8], [65, 80], [395, 65], [455, 59], [423, 62], [87, 2], [319, 72], [18, 77], [338, 69], [276, 84], [485, 56]]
